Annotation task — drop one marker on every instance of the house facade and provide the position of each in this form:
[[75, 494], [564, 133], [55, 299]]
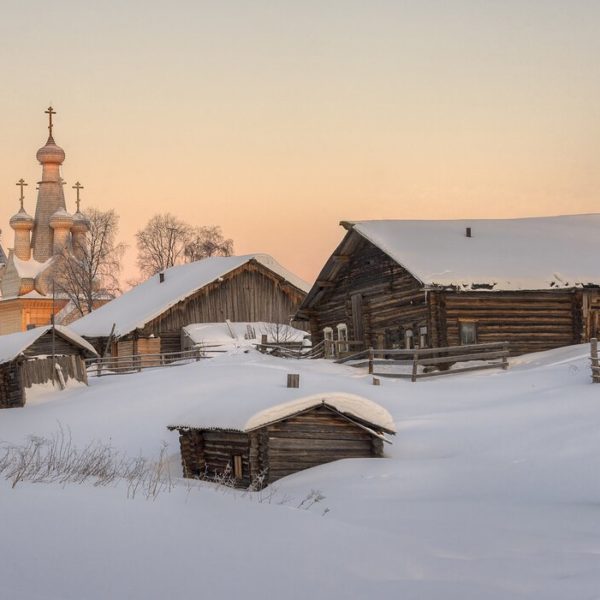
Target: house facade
[[403, 284]]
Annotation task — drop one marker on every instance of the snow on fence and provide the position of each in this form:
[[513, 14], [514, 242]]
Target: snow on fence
[[433, 361], [292, 351], [121, 365]]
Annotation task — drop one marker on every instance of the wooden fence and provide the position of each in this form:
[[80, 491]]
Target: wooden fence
[[63, 368], [434, 361], [121, 365], [594, 360]]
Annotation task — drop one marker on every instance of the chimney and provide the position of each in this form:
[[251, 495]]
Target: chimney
[[161, 277], [468, 232]]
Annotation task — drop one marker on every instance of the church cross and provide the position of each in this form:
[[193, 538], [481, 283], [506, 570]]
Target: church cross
[[78, 187], [21, 183], [50, 112]]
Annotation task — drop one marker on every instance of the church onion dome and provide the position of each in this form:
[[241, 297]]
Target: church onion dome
[[21, 221], [51, 153], [61, 219], [81, 223]]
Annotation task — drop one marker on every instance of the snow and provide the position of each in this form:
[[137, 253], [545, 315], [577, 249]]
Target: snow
[[13, 344], [240, 334], [348, 404], [149, 299], [506, 254], [490, 490], [30, 269]]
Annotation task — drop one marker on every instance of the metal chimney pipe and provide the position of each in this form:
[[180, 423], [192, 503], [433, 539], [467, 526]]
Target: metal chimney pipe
[[468, 232]]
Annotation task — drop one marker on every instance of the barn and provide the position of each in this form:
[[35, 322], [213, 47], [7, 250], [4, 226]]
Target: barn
[[149, 318], [281, 439], [533, 282], [26, 358]]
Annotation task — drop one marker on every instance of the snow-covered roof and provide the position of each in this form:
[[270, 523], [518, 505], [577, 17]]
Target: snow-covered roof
[[225, 333], [351, 405], [30, 269], [14, 344], [537, 253], [148, 300]]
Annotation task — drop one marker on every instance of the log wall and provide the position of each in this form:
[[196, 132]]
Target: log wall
[[11, 386], [530, 321], [374, 296], [314, 438]]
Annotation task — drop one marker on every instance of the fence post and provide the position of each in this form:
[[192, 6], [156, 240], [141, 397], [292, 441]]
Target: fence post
[[371, 353], [594, 357], [293, 380], [413, 377]]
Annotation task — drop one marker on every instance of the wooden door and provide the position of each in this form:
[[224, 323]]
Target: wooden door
[[357, 317]]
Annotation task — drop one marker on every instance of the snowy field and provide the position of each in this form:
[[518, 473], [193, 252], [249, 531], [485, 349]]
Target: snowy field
[[491, 490]]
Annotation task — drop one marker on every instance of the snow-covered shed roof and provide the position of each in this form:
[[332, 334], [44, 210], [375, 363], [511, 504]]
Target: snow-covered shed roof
[[225, 333], [538, 253], [14, 344], [148, 300], [239, 418]]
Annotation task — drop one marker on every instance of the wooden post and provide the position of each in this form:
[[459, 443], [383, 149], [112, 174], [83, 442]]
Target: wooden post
[[293, 380], [370, 361], [415, 366], [505, 358], [376, 381], [594, 353]]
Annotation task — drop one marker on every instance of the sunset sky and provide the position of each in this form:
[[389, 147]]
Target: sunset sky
[[276, 120]]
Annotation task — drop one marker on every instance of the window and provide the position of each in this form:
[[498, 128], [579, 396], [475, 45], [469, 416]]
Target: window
[[468, 332], [408, 339], [422, 337], [342, 333], [237, 467], [328, 338]]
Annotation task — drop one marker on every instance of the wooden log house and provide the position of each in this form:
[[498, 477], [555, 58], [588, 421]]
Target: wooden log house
[[284, 439], [150, 317], [403, 284], [26, 358]]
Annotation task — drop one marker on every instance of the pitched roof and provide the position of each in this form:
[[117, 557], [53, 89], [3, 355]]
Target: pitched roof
[[148, 300], [538, 253], [14, 344], [221, 416]]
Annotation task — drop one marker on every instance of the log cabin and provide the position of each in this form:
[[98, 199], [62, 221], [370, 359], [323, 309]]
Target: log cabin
[[282, 439], [533, 282], [149, 318], [26, 359]]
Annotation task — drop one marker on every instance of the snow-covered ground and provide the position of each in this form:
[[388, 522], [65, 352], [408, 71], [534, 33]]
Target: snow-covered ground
[[491, 490]]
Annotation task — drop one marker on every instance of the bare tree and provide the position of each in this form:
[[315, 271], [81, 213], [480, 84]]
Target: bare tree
[[89, 270], [161, 244], [205, 242]]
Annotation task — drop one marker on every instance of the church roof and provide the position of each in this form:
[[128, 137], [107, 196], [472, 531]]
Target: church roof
[[140, 305], [3, 259]]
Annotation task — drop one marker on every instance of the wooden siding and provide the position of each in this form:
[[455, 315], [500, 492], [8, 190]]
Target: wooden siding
[[373, 291], [43, 345], [314, 438], [11, 386], [530, 321]]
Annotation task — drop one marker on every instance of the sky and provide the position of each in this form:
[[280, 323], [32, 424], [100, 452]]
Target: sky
[[278, 119]]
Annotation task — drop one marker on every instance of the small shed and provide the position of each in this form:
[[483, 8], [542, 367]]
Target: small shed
[[26, 359], [284, 439]]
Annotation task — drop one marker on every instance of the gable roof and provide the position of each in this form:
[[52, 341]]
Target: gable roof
[[539, 253], [145, 302], [14, 344], [221, 416]]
